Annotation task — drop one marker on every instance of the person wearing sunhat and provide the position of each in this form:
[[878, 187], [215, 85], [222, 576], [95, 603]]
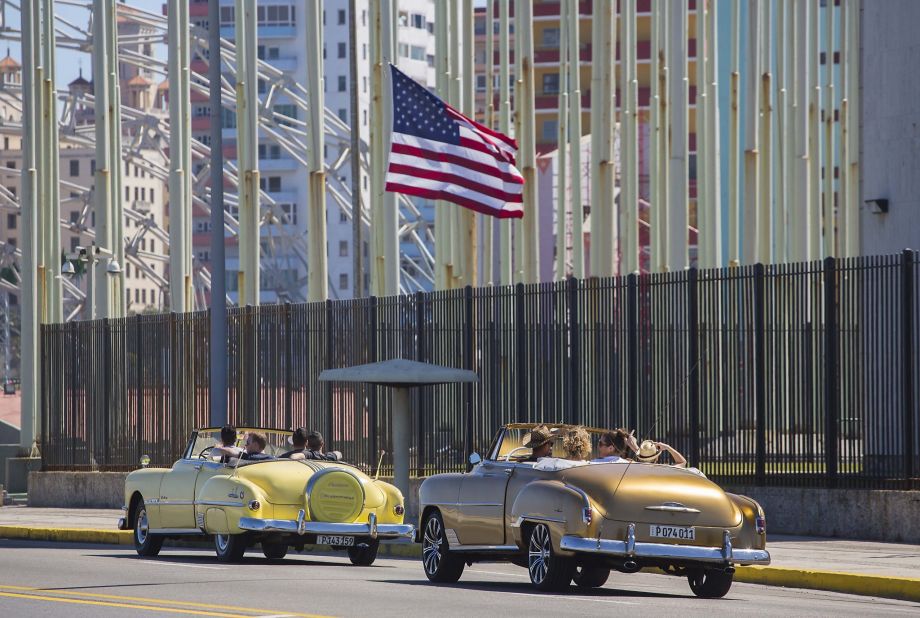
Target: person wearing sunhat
[[650, 451], [540, 442]]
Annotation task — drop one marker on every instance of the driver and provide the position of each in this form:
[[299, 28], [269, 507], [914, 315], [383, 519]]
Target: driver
[[255, 447], [227, 447], [540, 442]]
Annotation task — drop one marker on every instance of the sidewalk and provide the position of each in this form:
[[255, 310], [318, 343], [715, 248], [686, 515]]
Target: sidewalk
[[855, 567]]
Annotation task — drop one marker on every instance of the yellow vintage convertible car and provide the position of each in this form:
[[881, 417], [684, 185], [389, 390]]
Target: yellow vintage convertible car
[[566, 520], [277, 502]]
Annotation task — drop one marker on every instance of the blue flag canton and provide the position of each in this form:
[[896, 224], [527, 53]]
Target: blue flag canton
[[419, 113]]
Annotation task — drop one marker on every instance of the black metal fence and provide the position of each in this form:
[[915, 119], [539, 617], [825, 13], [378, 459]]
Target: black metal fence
[[800, 374]]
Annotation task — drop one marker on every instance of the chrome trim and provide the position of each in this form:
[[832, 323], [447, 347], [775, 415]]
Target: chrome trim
[[520, 520], [152, 501], [298, 526], [218, 503], [122, 523], [167, 502], [176, 531], [672, 507], [451, 535], [630, 539], [485, 548], [610, 547], [319, 474], [473, 504]]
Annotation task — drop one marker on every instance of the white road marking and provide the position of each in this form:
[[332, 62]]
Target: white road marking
[[182, 564], [496, 573]]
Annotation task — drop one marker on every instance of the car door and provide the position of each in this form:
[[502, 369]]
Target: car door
[[481, 504], [177, 495]]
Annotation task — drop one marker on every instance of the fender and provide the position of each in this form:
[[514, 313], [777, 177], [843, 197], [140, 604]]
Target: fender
[[564, 508], [441, 491], [145, 482], [230, 496]]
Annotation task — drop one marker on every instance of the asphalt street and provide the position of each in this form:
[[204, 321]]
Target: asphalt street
[[42, 579]]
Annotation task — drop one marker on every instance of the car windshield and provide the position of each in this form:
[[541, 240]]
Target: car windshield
[[278, 441]]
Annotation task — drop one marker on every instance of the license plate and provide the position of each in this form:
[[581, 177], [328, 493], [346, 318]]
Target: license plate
[[673, 532], [326, 539]]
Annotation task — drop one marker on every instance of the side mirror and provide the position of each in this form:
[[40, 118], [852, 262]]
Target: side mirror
[[475, 459], [145, 461]]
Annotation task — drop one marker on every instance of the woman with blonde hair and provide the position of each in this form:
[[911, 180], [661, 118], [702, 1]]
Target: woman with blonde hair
[[577, 444]]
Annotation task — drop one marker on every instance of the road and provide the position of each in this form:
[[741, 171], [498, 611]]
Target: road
[[41, 579]]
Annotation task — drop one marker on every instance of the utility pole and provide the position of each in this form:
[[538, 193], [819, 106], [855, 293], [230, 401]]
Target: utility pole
[[181, 297], [316, 189], [218, 342], [247, 142]]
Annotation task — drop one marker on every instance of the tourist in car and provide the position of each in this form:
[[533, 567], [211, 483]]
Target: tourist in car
[[577, 444], [255, 447], [299, 442], [311, 445], [649, 452], [615, 447], [227, 447], [540, 442]]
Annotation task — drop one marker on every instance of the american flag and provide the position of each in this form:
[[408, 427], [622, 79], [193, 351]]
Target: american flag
[[438, 153]]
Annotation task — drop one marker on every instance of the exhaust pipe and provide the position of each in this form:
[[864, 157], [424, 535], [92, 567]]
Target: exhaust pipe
[[729, 570], [630, 566]]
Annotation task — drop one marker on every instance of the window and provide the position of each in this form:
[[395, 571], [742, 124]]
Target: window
[[343, 248], [74, 243], [271, 152], [364, 51], [272, 184], [343, 281], [144, 296], [364, 84], [418, 21], [286, 109], [550, 129], [403, 50], [290, 213], [228, 118], [343, 218], [343, 116], [92, 167], [227, 15], [551, 83], [551, 37], [480, 83], [417, 52], [75, 217], [74, 167], [204, 255], [263, 86], [342, 48], [364, 117], [429, 58], [341, 17], [343, 83], [11, 242], [11, 221], [275, 15], [151, 196]]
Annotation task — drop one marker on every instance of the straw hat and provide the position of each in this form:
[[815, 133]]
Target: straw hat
[[648, 452], [538, 436]]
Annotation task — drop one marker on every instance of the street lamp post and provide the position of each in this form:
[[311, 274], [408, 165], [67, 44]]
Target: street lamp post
[[91, 256]]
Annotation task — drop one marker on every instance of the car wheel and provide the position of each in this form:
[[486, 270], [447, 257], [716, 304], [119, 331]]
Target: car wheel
[[230, 547], [591, 576], [364, 553], [548, 571], [274, 551], [145, 543], [709, 584], [440, 566]]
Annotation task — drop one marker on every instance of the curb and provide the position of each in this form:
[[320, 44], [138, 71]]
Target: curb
[[902, 588]]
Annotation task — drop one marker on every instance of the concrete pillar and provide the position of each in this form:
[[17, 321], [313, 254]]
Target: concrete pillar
[[247, 143], [318, 266], [401, 430], [181, 298]]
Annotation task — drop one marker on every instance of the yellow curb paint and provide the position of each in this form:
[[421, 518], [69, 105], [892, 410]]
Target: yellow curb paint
[[172, 610], [118, 597], [904, 588], [67, 535]]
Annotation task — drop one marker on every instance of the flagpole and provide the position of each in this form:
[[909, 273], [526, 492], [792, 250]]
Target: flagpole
[[468, 218], [629, 137], [442, 85], [528, 145], [457, 245], [562, 171], [488, 232], [578, 218], [603, 102], [517, 244], [316, 182], [678, 112], [504, 88]]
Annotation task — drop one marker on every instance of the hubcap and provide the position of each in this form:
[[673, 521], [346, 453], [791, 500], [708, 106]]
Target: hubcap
[[222, 541], [538, 554], [141, 527], [431, 546]]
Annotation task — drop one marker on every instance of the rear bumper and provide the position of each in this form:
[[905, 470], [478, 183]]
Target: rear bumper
[[301, 527], [662, 551]]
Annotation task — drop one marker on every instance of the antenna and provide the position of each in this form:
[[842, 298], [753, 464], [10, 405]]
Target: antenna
[[379, 462]]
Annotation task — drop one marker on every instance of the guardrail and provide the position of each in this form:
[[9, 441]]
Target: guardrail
[[799, 374]]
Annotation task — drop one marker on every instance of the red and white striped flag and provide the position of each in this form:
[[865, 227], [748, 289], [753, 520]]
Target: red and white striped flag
[[440, 154]]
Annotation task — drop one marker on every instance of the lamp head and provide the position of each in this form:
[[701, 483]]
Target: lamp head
[[113, 268], [67, 269]]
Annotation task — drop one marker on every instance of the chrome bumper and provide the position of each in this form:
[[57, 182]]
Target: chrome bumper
[[662, 551], [123, 521], [301, 526]]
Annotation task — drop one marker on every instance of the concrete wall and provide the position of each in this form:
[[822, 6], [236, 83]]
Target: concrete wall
[[99, 490], [851, 513], [7, 451], [17, 472], [890, 125]]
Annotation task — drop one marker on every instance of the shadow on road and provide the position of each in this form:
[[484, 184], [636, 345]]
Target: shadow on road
[[207, 559], [528, 589]]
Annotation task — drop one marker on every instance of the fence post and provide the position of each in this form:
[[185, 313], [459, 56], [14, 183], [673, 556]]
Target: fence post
[[327, 363], [760, 367], [520, 344], [575, 406], [907, 359], [372, 395], [831, 378], [421, 356], [632, 349], [693, 352], [138, 388], [288, 367], [468, 334]]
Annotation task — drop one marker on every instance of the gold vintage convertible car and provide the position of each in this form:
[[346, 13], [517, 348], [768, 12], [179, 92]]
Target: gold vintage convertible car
[[279, 503], [566, 520]]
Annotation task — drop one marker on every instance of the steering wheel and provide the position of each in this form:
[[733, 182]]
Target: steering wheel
[[513, 451], [204, 452]]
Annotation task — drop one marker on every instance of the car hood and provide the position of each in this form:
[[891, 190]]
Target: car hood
[[637, 492]]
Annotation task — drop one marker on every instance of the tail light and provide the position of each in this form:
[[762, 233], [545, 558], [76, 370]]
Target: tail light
[[760, 524], [254, 505], [398, 509], [587, 514]]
